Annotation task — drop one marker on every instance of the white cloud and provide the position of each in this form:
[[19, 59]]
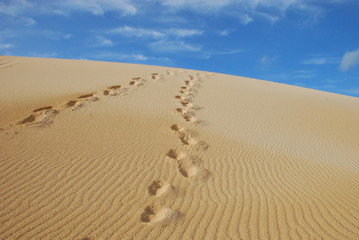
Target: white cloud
[[185, 32], [29, 21], [98, 7], [349, 60], [4, 46], [15, 7], [52, 34], [65, 7], [321, 61], [245, 19], [130, 57], [156, 34], [267, 60], [248, 10], [104, 41], [224, 33], [207, 4], [138, 32], [173, 46]]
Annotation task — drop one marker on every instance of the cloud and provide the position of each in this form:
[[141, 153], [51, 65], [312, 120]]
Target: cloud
[[29, 21], [173, 46], [197, 4], [130, 57], [245, 19], [184, 32], [4, 46], [321, 61], [248, 10], [98, 7], [102, 41], [155, 34], [349, 60], [267, 61], [209, 54], [15, 7], [51, 34], [65, 7], [138, 32]]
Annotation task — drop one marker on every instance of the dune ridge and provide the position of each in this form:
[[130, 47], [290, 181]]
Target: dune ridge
[[123, 151]]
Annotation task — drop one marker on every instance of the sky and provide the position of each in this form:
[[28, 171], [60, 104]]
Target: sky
[[307, 43]]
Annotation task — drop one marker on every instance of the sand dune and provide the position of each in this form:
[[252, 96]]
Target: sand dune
[[94, 150]]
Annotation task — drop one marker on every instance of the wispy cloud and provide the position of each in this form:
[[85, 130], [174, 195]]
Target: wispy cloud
[[52, 34], [99, 7], [174, 46], [66, 7], [133, 57], [321, 61], [137, 32], [4, 46], [29, 21], [184, 32], [245, 18], [156, 34], [16, 7], [247, 10], [103, 41], [349, 60], [267, 60]]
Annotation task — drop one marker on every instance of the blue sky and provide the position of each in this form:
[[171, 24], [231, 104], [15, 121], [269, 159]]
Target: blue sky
[[309, 43]]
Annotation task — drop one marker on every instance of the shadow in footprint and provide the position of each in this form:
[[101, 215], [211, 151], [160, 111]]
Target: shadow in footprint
[[153, 214], [159, 187]]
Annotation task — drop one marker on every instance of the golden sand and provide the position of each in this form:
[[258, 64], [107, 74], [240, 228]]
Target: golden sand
[[94, 150]]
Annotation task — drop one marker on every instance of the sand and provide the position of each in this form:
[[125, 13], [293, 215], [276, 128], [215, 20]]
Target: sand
[[95, 150]]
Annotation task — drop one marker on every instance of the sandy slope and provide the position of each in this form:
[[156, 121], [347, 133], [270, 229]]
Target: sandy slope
[[180, 154]]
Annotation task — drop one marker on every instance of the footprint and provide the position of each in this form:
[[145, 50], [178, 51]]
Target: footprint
[[171, 73], [195, 78], [138, 81], [153, 214], [155, 76], [186, 103], [115, 90], [71, 103], [176, 155], [188, 169], [86, 96], [177, 128], [191, 84], [41, 117], [188, 166], [185, 110], [159, 187], [82, 101], [184, 98], [189, 116], [187, 139], [42, 108], [188, 93]]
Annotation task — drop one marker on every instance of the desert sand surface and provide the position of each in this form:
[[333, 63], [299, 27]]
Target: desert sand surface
[[99, 150]]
